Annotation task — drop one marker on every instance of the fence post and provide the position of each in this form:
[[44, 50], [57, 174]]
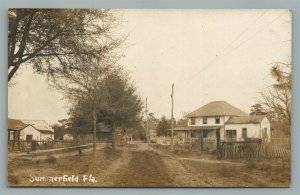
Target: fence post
[[218, 143], [201, 144]]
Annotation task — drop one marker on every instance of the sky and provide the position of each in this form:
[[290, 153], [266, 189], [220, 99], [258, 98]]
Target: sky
[[209, 55]]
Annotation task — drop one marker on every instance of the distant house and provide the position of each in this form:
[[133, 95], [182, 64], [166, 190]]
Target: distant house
[[38, 130], [14, 129], [24, 130], [103, 134], [68, 136], [223, 119]]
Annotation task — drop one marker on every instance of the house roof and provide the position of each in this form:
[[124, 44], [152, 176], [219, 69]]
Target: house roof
[[14, 124], [216, 108], [45, 131], [39, 125], [194, 128], [245, 119]]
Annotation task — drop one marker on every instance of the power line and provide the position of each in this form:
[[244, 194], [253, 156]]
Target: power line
[[226, 54], [234, 40], [254, 34], [243, 32]]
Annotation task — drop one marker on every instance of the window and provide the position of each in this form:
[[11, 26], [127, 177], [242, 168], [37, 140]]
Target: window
[[244, 133], [204, 120], [193, 120], [205, 133], [217, 119], [230, 135], [192, 134], [12, 135]]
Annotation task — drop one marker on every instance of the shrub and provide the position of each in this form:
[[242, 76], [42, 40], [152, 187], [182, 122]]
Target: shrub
[[50, 159], [251, 164]]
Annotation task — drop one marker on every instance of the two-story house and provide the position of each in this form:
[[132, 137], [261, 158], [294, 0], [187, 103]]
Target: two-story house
[[231, 123]]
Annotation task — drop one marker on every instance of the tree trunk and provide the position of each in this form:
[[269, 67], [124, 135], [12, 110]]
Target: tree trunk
[[113, 141], [94, 130]]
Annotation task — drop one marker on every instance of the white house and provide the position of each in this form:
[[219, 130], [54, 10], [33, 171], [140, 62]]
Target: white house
[[222, 118], [37, 130]]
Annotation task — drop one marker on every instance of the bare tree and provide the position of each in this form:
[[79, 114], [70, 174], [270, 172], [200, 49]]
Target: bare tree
[[257, 109], [277, 98]]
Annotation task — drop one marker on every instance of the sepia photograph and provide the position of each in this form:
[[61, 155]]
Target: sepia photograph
[[149, 97]]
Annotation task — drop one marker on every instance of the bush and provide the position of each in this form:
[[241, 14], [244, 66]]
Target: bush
[[265, 167], [50, 159], [225, 171], [37, 162], [251, 164]]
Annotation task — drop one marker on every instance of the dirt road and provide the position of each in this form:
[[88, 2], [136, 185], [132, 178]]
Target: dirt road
[[144, 169], [141, 165]]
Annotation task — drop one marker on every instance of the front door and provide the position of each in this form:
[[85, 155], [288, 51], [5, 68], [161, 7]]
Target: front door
[[265, 133], [28, 138]]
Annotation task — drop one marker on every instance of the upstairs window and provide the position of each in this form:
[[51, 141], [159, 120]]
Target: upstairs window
[[204, 120], [217, 119], [193, 120]]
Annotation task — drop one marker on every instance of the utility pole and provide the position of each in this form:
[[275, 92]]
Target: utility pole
[[172, 115], [147, 123]]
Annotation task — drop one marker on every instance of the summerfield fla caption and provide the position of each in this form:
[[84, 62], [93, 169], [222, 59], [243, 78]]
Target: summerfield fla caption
[[63, 179]]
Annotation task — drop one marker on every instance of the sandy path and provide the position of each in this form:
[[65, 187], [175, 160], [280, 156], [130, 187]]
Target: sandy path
[[150, 167]]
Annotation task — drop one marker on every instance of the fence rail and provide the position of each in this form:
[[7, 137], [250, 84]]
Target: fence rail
[[251, 149], [24, 146]]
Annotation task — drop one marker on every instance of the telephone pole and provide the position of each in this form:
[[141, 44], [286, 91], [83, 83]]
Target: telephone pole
[[172, 115], [147, 123]]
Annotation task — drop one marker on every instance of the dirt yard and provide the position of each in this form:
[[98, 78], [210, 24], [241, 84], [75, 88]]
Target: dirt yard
[[140, 165]]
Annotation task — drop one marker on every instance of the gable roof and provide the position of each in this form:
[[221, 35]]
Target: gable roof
[[14, 124], [45, 132], [245, 119], [217, 108], [39, 125]]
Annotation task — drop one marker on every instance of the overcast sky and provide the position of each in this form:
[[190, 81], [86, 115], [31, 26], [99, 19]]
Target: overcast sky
[[208, 54]]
